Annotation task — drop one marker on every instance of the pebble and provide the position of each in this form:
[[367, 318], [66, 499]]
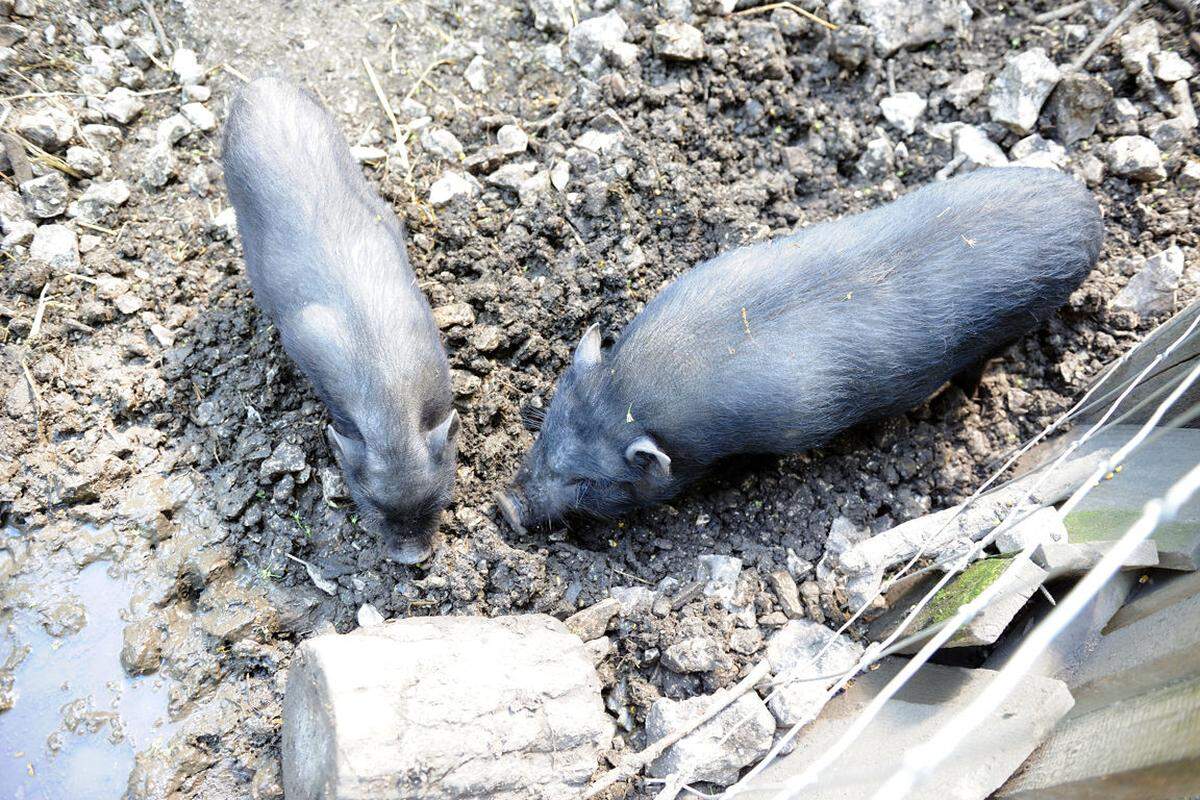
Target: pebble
[[1077, 104], [106, 137], [694, 654], [11, 33], [122, 105], [1125, 116], [199, 116], [85, 160], [369, 616], [159, 166], [286, 457], [366, 154], [788, 593], [965, 89], [598, 141], [719, 575], [173, 128], [1169, 66], [511, 176], [1036, 151], [1136, 158], [98, 200], [850, 45], [900, 24], [903, 110], [878, 158], [57, 247], [50, 128], [593, 42], [592, 622], [448, 316], [442, 143], [45, 197], [186, 67], [1151, 291], [678, 41], [452, 185], [114, 36], [223, 226], [1021, 88], [196, 93], [1189, 175], [977, 149], [552, 16], [476, 74], [141, 649], [511, 140], [1137, 45]]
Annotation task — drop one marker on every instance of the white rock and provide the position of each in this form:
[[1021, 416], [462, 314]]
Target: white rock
[[442, 143], [476, 74], [172, 129], [85, 160], [50, 128], [56, 246], [105, 137], [223, 227], [1189, 175], [99, 199], [452, 185], [369, 616], [1137, 158], [1044, 525], [122, 105], [141, 48], [89, 242], [187, 67], [1021, 88], [196, 93], [511, 176], [964, 90], [1169, 67], [159, 166], [511, 139], [1151, 291], [554, 16], [694, 654], [716, 751], [594, 41], [878, 158], [560, 174], [384, 712], [114, 36], [678, 41], [45, 197], [903, 110], [795, 653], [598, 141], [365, 154], [899, 23], [199, 116], [12, 209], [19, 233], [978, 150], [1137, 45], [720, 575], [1035, 151]]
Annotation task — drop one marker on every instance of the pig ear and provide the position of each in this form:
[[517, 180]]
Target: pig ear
[[587, 352], [343, 447], [443, 434], [643, 447]]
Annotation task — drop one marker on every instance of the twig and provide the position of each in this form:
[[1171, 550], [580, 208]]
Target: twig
[[795, 9], [36, 327], [151, 56], [948, 170], [1059, 13], [42, 156], [229, 68], [632, 764], [95, 227], [420, 78], [1105, 34], [401, 138], [158, 28], [35, 397]]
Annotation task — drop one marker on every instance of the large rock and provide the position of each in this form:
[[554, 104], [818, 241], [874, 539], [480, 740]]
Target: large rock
[[716, 751], [901, 23], [1076, 105], [1021, 88], [1151, 290], [443, 707], [801, 650]]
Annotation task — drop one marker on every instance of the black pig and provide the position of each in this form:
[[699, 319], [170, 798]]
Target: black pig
[[777, 347], [326, 257]]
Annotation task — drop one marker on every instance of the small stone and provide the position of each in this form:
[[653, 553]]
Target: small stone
[[719, 574], [159, 166], [1125, 116], [1169, 66], [463, 383], [552, 16], [287, 457], [196, 93], [965, 89], [162, 334], [11, 33], [694, 654], [50, 129], [85, 160], [1169, 134], [106, 137], [114, 36], [850, 45], [1091, 169], [593, 42], [452, 185], [1137, 45], [511, 176], [592, 622], [19, 233], [56, 246], [141, 651], [476, 74], [172, 129], [122, 105], [442, 143], [64, 619], [186, 67], [878, 158], [1136, 158], [45, 197], [1020, 89], [369, 616], [1076, 105], [804, 649], [511, 139], [128, 303], [1189, 175], [560, 175], [900, 24], [448, 316], [788, 593], [903, 110], [199, 116], [678, 41], [1075, 34], [99, 199], [599, 141], [978, 150], [1151, 291], [365, 154], [141, 48], [716, 752], [223, 226], [1035, 151]]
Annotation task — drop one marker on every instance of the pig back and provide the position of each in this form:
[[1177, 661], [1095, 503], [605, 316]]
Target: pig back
[[778, 346]]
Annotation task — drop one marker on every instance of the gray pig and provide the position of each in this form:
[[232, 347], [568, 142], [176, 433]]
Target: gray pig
[[326, 257], [779, 346]]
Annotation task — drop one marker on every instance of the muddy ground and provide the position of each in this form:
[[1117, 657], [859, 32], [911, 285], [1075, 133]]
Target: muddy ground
[[153, 425]]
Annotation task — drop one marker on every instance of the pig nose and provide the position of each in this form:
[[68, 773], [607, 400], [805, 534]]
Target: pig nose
[[410, 550], [510, 508]]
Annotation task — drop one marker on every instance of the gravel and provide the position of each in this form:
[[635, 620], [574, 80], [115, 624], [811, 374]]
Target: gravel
[[1020, 89], [903, 110], [57, 247], [1151, 291], [45, 197], [678, 41], [1136, 158]]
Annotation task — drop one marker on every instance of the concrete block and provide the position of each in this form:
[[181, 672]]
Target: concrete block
[[442, 708], [923, 706], [1061, 559], [792, 653], [1043, 525]]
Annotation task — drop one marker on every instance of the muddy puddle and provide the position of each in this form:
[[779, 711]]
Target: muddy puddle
[[76, 718]]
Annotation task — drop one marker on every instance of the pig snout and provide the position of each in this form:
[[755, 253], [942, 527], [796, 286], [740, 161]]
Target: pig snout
[[410, 543]]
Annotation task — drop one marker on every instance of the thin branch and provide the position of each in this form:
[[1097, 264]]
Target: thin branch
[[795, 9], [1106, 34], [159, 33]]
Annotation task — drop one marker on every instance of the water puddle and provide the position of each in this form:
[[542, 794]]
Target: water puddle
[[77, 719]]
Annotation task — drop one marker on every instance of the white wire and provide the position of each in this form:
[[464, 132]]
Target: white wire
[[921, 760]]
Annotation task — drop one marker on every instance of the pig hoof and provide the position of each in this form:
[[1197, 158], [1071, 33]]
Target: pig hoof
[[510, 509]]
